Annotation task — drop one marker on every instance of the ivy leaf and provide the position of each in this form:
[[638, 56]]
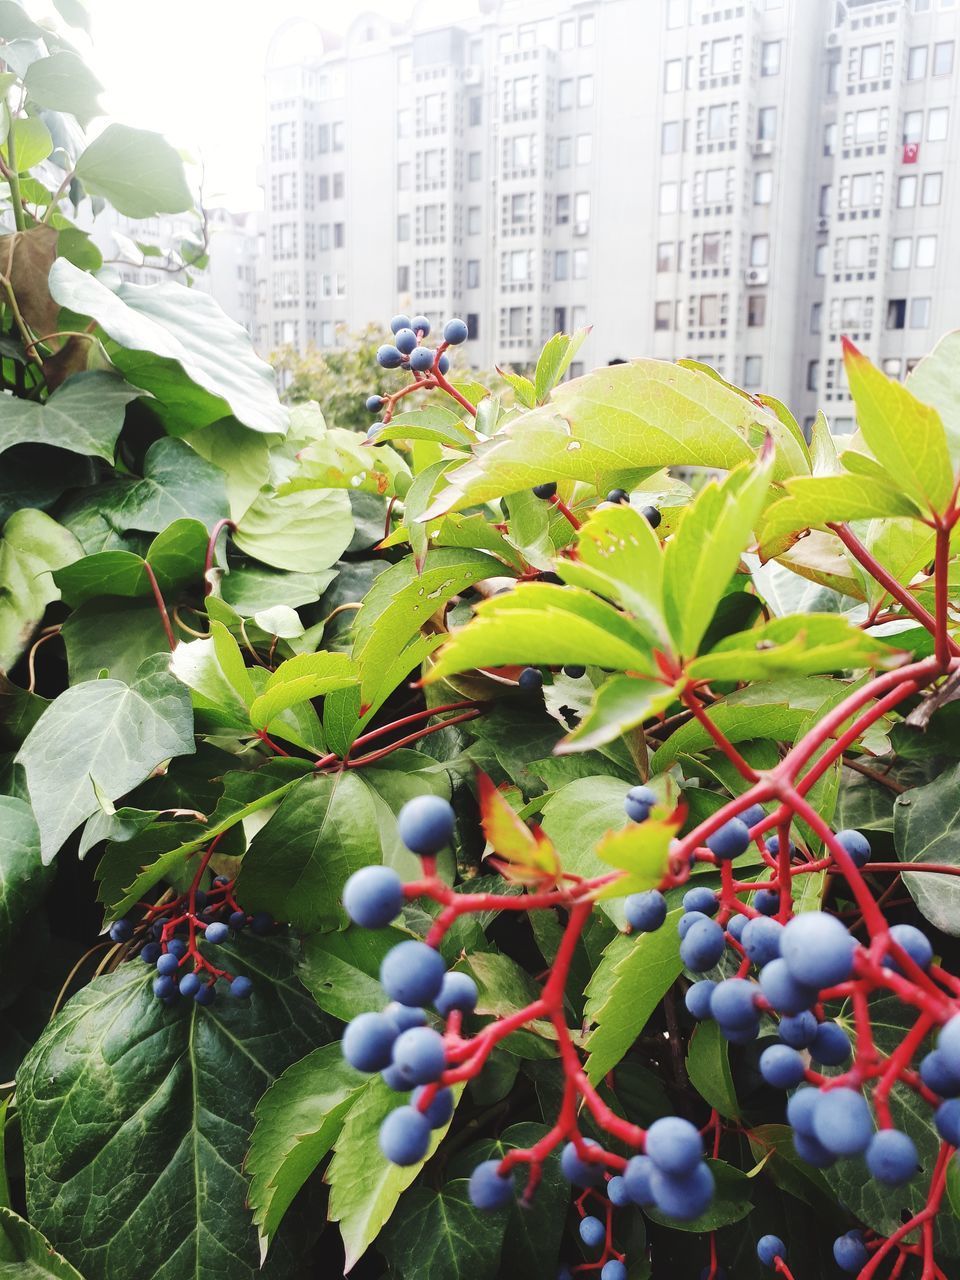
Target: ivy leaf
[[173, 341], [306, 676], [32, 142], [103, 732], [63, 82], [620, 704], [137, 171], [112, 635], [31, 547], [306, 532], [23, 878], [527, 854], [708, 1068], [439, 1235], [27, 257], [176, 557], [296, 865], [808, 644], [642, 850], [26, 1255], [633, 976], [703, 554], [162, 1142], [298, 1120], [926, 828]]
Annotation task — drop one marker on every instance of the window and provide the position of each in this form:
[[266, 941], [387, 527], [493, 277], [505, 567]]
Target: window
[[473, 220], [432, 166], [565, 95], [856, 253], [907, 191], [403, 226], [756, 310], [473, 326], [662, 313], [338, 186], [432, 109], [710, 251], [403, 279], [676, 13], [917, 62], [585, 91], [870, 58], [833, 79], [937, 124], [867, 126], [718, 122], [709, 311], [581, 263], [516, 319], [563, 210], [813, 375], [474, 110], [861, 190], [850, 315], [820, 260], [587, 31], [830, 139], [669, 197], [670, 137], [912, 126], [715, 186], [584, 148], [520, 153], [567, 34], [816, 317], [473, 273], [673, 75], [563, 152], [431, 220], [770, 58], [767, 123], [721, 57], [943, 58], [920, 313], [902, 249], [752, 371], [926, 253], [759, 251], [666, 256], [581, 208], [522, 88], [932, 187], [474, 162], [519, 266], [826, 194], [519, 207], [896, 313], [324, 235], [561, 265], [763, 187], [339, 234], [339, 135], [323, 134]]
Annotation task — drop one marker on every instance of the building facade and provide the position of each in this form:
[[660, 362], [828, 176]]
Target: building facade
[[738, 181]]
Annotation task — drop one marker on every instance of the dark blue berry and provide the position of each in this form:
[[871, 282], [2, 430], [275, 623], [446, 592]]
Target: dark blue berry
[[405, 1136], [394, 1079], [459, 991], [817, 949], [636, 1180], [813, 1152], [422, 360], [368, 1041], [784, 993], [530, 679], [544, 490], [238, 919], [651, 515], [948, 1044], [488, 1189], [916, 944], [405, 340], [374, 404], [936, 1076], [404, 1017], [164, 986], [412, 973], [769, 1249], [831, 1045], [582, 1173], [617, 496], [216, 932], [177, 947], [701, 899], [687, 921], [439, 1111], [168, 963], [241, 988], [947, 1119], [683, 1196], [761, 940], [419, 1054], [373, 896], [455, 332], [698, 997], [750, 817], [857, 846], [443, 364], [400, 322], [781, 1066], [421, 325], [388, 357], [891, 1157], [261, 922], [575, 672], [592, 1232], [150, 952], [613, 1270], [798, 1030], [674, 1145], [703, 946], [767, 901], [121, 931], [850, 1253], [617, 1192], [842, 1122], [736, 925], [732, 839], [189, 984], [733, 1003], [426, 825], [645, 912]]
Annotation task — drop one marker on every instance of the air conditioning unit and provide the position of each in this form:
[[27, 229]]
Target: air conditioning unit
[[763, 148], [823, 224], [472, 75], [581, 228], [758, 275]]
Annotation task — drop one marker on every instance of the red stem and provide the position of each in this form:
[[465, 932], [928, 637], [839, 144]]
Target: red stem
[[161, 605]]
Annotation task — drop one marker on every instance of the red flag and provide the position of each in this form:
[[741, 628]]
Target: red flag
[[911, 152]]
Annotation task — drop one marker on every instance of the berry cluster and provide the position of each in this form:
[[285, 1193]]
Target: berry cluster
[[428, 365]]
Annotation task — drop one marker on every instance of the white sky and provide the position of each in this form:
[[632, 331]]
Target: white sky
[[193, 69]]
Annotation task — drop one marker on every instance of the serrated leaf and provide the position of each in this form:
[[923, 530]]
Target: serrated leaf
[[528, 854], [214, 671], [26, 1255], [439, 1235], [306, 676], [708, 1069], [619, 705], [341, 970], [815, 501], [555, 359], [926, 828], [338, 460], [433, 422], [810, 644], [642, 850]]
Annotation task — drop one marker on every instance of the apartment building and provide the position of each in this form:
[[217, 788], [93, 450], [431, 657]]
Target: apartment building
[[738, 181]]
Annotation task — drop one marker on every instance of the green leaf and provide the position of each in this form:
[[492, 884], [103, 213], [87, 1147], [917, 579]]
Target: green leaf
[[23, 878], [31, 547], [298, 1120], [555, 359], [633, 976], [306, 676], [620, 422], [620, 704], [32, 142], [214, 670], [26, 1255], [341, 970], [439, 1235], [74, 12], [296, 866], [815, 501], [364, 1186], [176, 557], [177, 344], [338, 460], [926, 821], [934, 381], [306, 532], [808, 644], [642, 850], [250, 589], [15, 23], [166, 1098], [703, 554], [523, 388], [906, 436], [538, 623], [113, 636], [708, 1068], [577, 817], [137, 171], [432, 422], [102, 732], [63, 82], [732, 1201]]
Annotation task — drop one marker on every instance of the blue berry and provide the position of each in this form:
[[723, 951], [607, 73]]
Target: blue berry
[[850, 1253], [733, 1003], [177, 947], [544, 490], [388, 357], [418, 1054], [190, 984], [592, 1232], [459, 991], [736, 925], [742, 1035], [426, 825], [683, 1196], [261, 922], [732, 839], [420, 325], [948, 1044], [813, 1152], [405, 1136], [701, 899], [698, 998], [374, 404], [489, 1189], [750, 817], [238, 920], [439, 1111], [164, 986], [761, 940], [831, 1045], [687, 921], [405, 340], [530, 679], [617, 1192], [121, 931], [936, 1076], [582, 1173], [916, 944], [394, 1079], [784, 993], [817, 949], [798, 1030], [652, 516], [674, 1145], [636, 1180], [769, 1248], [842, 1122], [150, 952], [767, 901], [613, 1270], [800, 1109], [638, 803], [216, 932], [618, 496], [857, 846], [454, 332], [373, 896], [575, 672], [199, 899], [443, 364], [404, 1017], [241, 988], [412, 973], [645, 912], [781, 1066], [206, 995], [703, 946], [368, 1041], [422, 360], [400, 322], [892, 1157], [167, 963], [773, 845], [947, 1119]]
